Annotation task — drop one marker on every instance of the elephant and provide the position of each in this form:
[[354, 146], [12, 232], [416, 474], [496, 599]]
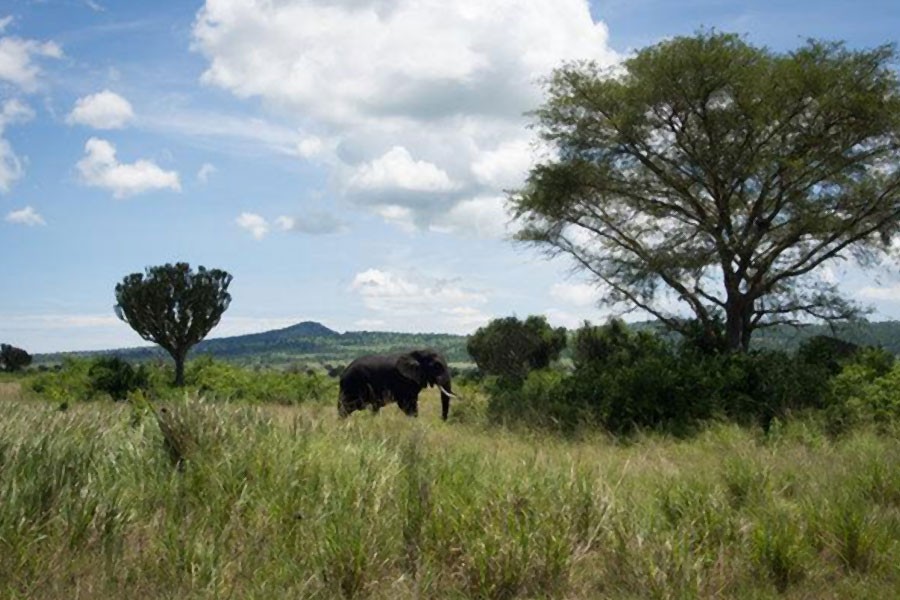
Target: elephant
[[381, 378]]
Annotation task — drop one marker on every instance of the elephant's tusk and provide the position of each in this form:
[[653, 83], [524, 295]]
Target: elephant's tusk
[[451, 394]]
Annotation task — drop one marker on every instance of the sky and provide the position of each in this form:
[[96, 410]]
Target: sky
[[345, 161]]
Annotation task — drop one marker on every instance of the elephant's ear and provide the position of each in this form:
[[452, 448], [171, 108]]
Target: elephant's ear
[[410, 368]]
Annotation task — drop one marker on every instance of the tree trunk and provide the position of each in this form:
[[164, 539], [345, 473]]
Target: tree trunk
[[737, 317], [179, 368]]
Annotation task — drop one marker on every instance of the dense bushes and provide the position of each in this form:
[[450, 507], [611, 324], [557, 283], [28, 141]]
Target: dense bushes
[[116, 377], [112, 377], [625, 380]]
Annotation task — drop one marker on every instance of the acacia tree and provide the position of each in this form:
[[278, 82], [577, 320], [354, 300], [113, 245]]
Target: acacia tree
[[13, 358], [720, 174], [173, 306]]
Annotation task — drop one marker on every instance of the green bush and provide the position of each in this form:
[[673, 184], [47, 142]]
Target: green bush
[[116, 377], [68, 383], [222, 381], [82, 379], [863, 393], [510, 348]]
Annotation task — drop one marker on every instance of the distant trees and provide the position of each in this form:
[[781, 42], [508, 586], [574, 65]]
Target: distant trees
[[12, 358], [173, 306], [721, 175], [511, 348]]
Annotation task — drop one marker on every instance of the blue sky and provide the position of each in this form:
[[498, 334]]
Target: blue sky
[[345, 161]]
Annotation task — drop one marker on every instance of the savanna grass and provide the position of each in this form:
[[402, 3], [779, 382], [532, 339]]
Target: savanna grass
[[275, 501]]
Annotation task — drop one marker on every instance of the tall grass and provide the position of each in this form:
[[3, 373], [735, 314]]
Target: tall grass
[[291, 502]]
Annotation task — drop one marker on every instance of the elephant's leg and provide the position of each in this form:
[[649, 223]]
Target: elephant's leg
[[409, 405], [348, 403]]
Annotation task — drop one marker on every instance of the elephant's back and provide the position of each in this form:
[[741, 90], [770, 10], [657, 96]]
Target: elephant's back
[[369, 368]]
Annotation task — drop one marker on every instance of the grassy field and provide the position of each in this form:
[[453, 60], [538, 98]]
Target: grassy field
[[273, 502]]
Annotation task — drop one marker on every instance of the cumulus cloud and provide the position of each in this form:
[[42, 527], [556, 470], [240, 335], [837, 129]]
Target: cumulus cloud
[[11, 168], [26, 216], [418, 303], [254, 223], [505, 166], [100, 168], [421, 101], [18, 56], [103, 110], [399, 216], [482, 217], [397, 169]]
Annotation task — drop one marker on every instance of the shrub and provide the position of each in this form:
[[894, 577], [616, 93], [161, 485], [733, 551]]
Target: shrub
[[510, 348], [612, 344], [861, 393], [116, 377], [626, 380]]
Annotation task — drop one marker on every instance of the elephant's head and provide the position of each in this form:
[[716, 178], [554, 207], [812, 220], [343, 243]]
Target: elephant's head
[[427, 367]]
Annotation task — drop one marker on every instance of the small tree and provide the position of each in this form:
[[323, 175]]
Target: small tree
[[173, 306], [510, 348], [12, 358], [723, 174]]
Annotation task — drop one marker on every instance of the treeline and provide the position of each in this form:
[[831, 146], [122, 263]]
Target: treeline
[[316, 344], [623, 379]]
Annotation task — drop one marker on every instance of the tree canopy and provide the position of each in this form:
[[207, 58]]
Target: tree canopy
[[13, 358], [173, 306], [709, 174]]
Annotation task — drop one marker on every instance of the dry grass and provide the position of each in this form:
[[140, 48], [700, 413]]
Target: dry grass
[[291, 502]]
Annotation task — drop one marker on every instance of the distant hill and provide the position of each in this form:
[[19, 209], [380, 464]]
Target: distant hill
[[306, 342], [310, 342], [883, 334]]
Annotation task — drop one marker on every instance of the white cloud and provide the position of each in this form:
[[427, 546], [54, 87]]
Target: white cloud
[[100, 168], [506, 166], [310, 146], [441, 85], [254, 223], [890, 293], [13, 111], [17, 59], [312, 223], [561, 318], [205, 171], [103, 110], [482, 217], [576, 294], [396, 169], [399, 216], [26, 216], [243, 134], [415, 302]]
